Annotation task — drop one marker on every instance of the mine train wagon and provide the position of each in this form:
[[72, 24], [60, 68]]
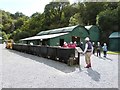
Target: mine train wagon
[[65, 55]]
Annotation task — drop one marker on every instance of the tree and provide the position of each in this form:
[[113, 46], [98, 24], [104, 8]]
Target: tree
[[17, 15], [61, 14], [108, 22], [75, 20], [6, 22], [118, 8], [54, 14], [110, 5], [4, 36], [19, 22], [91, 9]]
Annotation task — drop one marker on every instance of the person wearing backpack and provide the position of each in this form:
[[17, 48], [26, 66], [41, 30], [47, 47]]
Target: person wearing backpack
[[88, 52]]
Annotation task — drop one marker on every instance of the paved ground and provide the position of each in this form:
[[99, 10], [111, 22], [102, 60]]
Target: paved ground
[[20, 70]]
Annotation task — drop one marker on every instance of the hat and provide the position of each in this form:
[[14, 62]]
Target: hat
[[87, 39]]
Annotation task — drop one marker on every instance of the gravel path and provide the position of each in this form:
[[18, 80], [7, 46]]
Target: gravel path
[[20, 70], [0, 66]]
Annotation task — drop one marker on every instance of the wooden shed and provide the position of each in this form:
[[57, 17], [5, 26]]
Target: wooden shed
[[114, 43], [58, 36]]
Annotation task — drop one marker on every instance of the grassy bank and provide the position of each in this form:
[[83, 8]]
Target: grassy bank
[[110, 52]]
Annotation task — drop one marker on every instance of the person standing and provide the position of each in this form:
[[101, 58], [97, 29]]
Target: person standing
[[74, 44], [70, 44], [88, 52], [31, 43], [98, 49], [81, 46], [65, 44], [93, 47], [105, 50]]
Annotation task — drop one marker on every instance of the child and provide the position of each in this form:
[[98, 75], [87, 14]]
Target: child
[[105, 50]]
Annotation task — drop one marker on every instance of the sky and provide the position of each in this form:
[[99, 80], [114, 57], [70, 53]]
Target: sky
[[27, 7]]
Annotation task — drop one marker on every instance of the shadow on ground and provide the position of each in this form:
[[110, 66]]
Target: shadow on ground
[[104, 58], [52, 63], [93, 74]]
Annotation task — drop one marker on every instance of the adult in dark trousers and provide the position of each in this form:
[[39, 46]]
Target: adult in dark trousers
[[98, 49], [105, 50], [81, 46], [88, 52], [93, 43]]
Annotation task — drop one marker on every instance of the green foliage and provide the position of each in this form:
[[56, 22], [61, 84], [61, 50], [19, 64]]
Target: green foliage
[[17, 15], [18, 34], [90, 12], [108, 22], [57, 15], [75, 20], [118, 8], [4, 36], [61, 14]]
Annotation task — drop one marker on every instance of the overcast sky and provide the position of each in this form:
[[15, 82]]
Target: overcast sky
[[27, 7]]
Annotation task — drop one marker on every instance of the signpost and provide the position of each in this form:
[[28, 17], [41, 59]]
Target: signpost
[[79, 50]]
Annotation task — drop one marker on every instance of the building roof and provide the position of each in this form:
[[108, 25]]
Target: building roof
[[44, 36], [59, 30], [88, 27], [115, 35]]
